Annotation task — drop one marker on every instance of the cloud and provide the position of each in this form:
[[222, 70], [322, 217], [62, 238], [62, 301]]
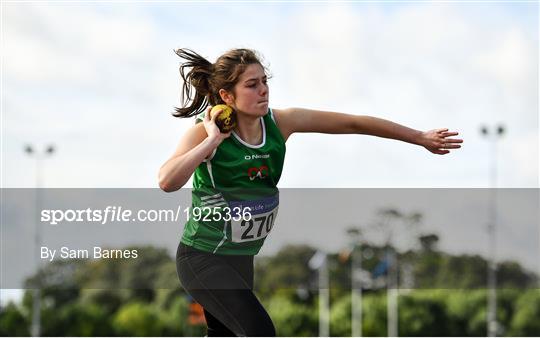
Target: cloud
[[425, 66], [57, 45], [104, 79]]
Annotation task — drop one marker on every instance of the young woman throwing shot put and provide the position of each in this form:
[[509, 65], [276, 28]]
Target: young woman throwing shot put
[[235, 177]]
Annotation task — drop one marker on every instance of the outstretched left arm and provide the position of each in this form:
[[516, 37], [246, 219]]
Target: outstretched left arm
[[299, 120]]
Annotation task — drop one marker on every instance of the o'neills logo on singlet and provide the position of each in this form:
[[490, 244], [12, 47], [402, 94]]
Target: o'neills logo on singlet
[[256, 156]]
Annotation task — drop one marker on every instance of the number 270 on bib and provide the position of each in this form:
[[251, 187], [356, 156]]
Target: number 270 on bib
[[255, 228]]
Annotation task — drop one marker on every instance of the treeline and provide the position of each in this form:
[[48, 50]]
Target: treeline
[[435, 313], [445, 295]]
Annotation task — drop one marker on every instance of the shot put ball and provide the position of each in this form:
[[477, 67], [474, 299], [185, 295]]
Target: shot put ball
[[226, 120]]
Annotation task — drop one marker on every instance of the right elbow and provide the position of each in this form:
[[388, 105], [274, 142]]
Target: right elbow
[[166, 186]]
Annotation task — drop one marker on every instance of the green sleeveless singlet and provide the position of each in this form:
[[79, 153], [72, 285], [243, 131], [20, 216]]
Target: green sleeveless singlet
[[235, 197]]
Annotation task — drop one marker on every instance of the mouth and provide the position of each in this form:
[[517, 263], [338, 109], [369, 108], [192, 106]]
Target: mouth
[[261, 102]]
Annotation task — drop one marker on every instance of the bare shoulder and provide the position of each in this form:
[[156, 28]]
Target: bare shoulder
[[284, 121]]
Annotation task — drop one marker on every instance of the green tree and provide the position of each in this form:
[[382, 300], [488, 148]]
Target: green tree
[[375, 316], [426, 268], [75, 319], [137, 277], [421, 313], [506, 306], [428, 242], [143, 297], [467, 312], [288, 269], [12, 321], [461, 272], [512, 275], [110, 300], [340, 317], [173, 314], [292, 319], [526, 320], [137, 319]]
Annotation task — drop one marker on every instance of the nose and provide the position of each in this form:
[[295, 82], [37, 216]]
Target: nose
[[264, 91]]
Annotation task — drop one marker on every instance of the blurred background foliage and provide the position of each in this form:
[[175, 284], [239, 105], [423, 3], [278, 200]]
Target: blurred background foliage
[[440, 295]]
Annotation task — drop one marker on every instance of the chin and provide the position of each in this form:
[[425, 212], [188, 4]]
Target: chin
[[257, 111]]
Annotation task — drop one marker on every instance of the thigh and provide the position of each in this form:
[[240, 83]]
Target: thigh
[[201, 270], [224, 293]]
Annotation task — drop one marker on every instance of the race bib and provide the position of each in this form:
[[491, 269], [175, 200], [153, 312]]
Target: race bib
[[253, 220]]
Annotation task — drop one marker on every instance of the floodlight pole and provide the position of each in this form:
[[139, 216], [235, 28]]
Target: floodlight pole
[[356, 282], [493, 136], [36, 301]]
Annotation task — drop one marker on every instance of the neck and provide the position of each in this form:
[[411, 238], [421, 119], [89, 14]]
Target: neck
[[249, 129]]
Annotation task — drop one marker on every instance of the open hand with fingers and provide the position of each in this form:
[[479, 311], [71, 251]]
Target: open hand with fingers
[[438, 141]]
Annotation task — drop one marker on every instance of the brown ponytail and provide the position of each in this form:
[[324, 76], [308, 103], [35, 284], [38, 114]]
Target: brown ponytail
[[207, 78], [198, 78]]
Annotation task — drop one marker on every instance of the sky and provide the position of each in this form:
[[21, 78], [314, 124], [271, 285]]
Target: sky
[[100, 80]]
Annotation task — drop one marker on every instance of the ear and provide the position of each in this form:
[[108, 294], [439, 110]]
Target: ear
[[226, 96]]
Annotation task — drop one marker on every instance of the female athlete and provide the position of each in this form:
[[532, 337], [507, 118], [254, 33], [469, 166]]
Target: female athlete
[[238, 171]]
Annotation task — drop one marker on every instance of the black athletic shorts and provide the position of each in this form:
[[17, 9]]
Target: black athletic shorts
[[223, 285]]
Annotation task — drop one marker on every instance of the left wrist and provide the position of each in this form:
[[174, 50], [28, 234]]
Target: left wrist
[[418, 137]]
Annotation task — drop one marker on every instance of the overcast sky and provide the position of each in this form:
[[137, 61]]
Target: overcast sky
[[100, 80]]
